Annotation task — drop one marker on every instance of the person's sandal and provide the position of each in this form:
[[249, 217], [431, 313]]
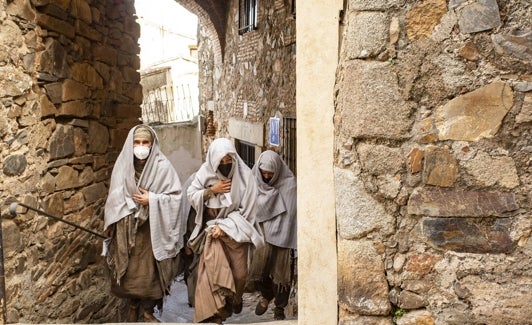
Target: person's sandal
[[262, 306]]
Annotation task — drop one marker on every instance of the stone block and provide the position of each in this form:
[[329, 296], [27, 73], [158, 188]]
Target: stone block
[[502, 301], [98, 136], [56, 25], [358, 213], [467, 235], [440, 202], [11, 238], [415, 157], [94, 192], [423, 17], [53, 204], [478, 16], [482, 168], [411, 300], [475, 115], [362, 285], [370, 103], [14, 165], [87, 75], [416, 317], [53, 60], [374, 5], [61, 142], [105, 54], [380, 159], [440, 167], [13, 82], [516, 43], [369, 32], [66, 178], [246, 131], [72, 90], [525, 115], [75, 108]]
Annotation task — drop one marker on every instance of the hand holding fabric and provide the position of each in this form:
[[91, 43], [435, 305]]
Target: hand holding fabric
[[143, 198], [223, 186]]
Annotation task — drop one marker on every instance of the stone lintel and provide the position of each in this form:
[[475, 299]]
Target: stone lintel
[[246, 131]]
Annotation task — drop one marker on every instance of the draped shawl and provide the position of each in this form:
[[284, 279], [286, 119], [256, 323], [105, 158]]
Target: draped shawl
[[167, 225], [237, 207], [276, 201]]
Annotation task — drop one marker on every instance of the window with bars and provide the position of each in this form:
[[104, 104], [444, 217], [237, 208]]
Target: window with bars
[[248, 12], [246, 151], [289, 141]]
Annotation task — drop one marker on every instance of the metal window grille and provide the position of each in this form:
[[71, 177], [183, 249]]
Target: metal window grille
[[248, 12], [168, 105], [246, 151], [289, 136]]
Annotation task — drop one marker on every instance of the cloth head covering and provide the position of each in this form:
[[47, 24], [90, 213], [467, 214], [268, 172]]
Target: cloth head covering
[[143, 132], [237, 208], [167, 225], [276, 201]]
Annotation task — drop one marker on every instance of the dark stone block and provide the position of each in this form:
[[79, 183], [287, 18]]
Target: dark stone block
[[468, 235], [15, 165], [440, 202]]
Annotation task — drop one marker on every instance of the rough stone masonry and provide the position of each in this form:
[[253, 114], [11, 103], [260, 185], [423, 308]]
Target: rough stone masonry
[[433, 179]]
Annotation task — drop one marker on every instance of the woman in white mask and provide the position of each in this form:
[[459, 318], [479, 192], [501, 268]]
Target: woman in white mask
[[144, 223]]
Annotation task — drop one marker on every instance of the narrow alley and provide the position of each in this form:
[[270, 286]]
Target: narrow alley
[[177, 310]]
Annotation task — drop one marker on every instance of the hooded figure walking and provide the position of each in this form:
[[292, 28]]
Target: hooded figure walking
[[270, 270], [144, 223], [223, 194]]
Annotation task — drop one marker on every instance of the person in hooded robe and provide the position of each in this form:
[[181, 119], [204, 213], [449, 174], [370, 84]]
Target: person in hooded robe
[[223, 194], [270, 270], [144, 224]]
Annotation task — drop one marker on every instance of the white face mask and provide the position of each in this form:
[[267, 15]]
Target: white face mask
[[141, 152]]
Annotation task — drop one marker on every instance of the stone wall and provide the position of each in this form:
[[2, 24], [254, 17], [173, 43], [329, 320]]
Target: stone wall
[[257, 72], [69, 92], [432, 175]]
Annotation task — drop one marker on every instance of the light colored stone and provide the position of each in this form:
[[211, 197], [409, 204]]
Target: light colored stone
[[66, 178], [389, 186], [358, 214], [246, 131], [475, 115], [482, 168], [369, 34], [13, 82], [373, 5], [370, 102], [380, 159], [416, 317]]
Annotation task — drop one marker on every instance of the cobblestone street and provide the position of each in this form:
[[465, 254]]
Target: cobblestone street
[[177, 310]]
